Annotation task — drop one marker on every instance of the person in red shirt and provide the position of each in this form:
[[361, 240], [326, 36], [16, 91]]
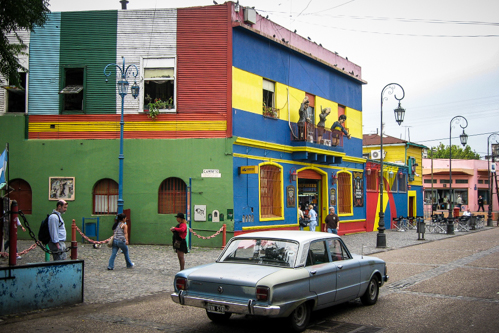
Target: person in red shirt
[[178, 240]]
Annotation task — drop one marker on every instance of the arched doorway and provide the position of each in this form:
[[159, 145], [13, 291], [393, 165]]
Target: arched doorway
[[310, 192]]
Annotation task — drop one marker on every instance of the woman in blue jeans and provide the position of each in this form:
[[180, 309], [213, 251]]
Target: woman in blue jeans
[[120, 241]]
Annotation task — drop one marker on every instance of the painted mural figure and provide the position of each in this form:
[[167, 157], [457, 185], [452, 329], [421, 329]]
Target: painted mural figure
[[303, 118], [338, 126], [322, 123]]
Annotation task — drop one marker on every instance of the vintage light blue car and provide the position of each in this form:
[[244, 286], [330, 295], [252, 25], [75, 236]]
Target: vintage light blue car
[[280, 274]]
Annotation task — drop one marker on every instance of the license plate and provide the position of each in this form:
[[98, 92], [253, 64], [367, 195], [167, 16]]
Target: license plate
[[215, 308]]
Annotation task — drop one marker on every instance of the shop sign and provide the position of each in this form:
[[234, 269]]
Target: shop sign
[[248, 169], [358, 185]]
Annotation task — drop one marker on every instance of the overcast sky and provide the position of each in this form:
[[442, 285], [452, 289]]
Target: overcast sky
[[444, 53]]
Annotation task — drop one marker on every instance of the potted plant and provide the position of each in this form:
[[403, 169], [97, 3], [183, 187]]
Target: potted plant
[[157, 105], [270, 112]]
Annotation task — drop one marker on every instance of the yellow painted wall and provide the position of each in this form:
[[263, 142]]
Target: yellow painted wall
[[417, 152], [247, 95]]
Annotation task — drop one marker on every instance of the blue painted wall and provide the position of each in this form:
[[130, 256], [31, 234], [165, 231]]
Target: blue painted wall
[[40, 286], [263, 57]]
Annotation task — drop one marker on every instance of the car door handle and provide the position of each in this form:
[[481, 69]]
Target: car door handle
[[340, 266], [313, 272]]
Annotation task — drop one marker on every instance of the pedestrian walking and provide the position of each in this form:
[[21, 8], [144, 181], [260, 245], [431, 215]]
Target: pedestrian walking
[[57, 230], [178, 239], [332, 222], [120, 241], [312, 215], [480, 203]]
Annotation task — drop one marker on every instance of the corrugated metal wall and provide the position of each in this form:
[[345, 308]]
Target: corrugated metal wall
[[204, 51], [144, 34], [89, 39], [43, 83]]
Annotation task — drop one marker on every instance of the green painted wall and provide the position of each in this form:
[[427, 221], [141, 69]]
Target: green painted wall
[[88, 39], [147, 163]]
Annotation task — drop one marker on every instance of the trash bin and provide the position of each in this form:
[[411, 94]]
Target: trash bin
[[456, 211], [421, 226]]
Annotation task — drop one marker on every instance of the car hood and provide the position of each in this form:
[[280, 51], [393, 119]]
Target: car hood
[[234, 274]]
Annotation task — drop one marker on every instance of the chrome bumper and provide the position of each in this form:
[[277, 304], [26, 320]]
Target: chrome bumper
[[249, 308]]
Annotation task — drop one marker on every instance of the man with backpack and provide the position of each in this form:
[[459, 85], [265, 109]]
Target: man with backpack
[[57, 231]]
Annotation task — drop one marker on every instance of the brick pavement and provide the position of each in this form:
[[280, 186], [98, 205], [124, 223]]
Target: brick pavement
[[155, 266]]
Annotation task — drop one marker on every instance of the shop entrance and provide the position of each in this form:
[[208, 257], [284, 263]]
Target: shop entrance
[[309, 189]]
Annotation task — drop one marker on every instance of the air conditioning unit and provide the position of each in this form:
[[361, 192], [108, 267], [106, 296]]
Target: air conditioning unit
[[376, 154]]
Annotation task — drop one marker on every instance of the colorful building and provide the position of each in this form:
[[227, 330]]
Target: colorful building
[[402, 174], [233, 143], [470, 180]]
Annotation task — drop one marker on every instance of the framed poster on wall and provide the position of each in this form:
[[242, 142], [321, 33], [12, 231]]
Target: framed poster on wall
[[200, 213], [61, 188], [332, 197], [290, 196]]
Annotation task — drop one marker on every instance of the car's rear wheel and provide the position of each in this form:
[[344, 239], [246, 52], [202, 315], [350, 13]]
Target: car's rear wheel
[[300, 317], [218, 317], [370, 297]]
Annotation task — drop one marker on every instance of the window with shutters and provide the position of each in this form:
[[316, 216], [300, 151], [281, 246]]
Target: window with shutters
[[345, 193], [172, 196], [271, 195], [159, 83], [16, 95], [372, 181], [73, 91], [105, 197]]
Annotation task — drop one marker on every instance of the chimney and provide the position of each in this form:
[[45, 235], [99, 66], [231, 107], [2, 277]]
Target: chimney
[[123, 4]]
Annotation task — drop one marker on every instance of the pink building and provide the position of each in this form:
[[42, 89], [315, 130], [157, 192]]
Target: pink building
[[470, 179]]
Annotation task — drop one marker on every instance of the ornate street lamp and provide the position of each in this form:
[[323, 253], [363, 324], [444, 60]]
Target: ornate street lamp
[[399, 118], [464, 139], [495, 136], [122, 86]]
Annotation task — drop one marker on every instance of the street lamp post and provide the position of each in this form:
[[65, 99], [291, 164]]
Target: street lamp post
[[489, 213], [122, 85], [464, 139], [399, 117]]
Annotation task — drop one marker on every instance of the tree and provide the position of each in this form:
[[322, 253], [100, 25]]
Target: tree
[[442, 151], [17, 15]]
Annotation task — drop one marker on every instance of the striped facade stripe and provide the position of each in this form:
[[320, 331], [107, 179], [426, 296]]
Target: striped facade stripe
[[136, 127], [204, 58]]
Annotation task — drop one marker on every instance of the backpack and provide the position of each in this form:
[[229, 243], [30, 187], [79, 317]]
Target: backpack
[[44, 233]]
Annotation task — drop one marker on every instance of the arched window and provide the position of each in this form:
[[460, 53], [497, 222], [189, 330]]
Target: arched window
[[22, 194], [270, 191], [105, 197], [172, 196], [344, 193]]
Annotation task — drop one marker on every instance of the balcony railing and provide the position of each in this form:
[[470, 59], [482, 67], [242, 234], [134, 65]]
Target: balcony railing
[[308, 133]]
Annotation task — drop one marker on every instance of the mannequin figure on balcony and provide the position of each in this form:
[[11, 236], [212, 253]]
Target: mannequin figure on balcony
[[338, 126], [303, 112], [322, 123]]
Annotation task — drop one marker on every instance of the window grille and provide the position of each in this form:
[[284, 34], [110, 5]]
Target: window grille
[[344, 193], [172, 196], [270, 191], [105, 197]]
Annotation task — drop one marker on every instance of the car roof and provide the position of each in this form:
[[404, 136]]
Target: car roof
[[300, 236]]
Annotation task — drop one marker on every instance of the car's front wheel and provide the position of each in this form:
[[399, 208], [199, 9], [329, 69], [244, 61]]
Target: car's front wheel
[[370, 297], [218, 317], [300, 317]]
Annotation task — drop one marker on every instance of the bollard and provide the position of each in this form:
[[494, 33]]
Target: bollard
[[74, 244], [224, 235], [13, 233]]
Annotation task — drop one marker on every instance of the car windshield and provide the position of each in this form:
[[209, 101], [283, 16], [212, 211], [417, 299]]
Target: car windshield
[[269, 252]]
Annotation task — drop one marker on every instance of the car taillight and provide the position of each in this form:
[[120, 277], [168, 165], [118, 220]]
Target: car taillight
[[181, 283], [262, 293]]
